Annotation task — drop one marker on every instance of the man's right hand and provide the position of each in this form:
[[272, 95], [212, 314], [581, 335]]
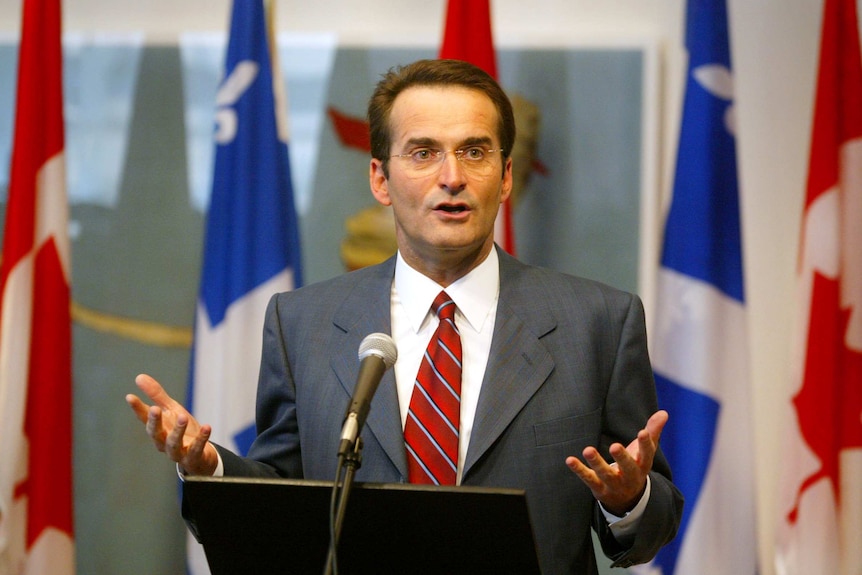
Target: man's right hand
[[173, 429]]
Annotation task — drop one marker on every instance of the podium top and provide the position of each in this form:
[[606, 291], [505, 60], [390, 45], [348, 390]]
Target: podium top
[[265, 526]]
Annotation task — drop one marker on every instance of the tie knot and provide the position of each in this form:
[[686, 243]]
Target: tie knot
[[443, 306]]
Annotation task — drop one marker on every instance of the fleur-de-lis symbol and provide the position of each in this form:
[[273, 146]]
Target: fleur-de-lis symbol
[[718, 81], [230, 91]]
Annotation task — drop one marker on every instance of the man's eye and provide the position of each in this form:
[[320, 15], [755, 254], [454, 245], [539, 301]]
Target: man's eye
[[423, 155], [473, 153]]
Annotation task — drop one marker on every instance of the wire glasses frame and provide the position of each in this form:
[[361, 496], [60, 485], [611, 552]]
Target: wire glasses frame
[[476, 160]]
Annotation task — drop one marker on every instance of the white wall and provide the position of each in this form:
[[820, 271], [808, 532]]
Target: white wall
[[774, 48]]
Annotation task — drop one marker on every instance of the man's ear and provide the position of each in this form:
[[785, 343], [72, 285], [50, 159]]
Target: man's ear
[[508, 181], [379, 182]]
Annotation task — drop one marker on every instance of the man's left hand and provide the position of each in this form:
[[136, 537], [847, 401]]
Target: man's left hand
[[620, 485]]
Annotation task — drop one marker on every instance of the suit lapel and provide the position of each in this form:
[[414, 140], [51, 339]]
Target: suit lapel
[[518, 363], [364, 311]]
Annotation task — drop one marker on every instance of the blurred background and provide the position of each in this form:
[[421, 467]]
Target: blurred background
[[604, 81]]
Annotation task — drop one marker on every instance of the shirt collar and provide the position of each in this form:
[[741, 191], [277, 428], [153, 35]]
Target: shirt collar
[[470, 293]]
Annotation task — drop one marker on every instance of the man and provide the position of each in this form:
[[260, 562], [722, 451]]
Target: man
[[550, 366]]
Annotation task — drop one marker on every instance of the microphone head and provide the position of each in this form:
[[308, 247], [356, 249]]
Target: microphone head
[[381, 345]]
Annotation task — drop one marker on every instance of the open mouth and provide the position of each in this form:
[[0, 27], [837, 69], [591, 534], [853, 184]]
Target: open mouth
[[452, 209]]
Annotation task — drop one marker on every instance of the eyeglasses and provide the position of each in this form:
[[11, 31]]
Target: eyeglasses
[[476, 160]]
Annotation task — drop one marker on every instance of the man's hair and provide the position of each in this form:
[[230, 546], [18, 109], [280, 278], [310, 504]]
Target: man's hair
[[433, 73]]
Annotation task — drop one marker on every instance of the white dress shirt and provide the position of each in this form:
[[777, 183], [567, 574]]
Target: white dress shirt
[[414, 322]]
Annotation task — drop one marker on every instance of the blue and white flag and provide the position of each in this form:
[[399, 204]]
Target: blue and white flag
[[252, 241], [700, 342]]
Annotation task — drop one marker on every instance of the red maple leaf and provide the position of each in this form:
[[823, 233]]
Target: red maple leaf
[[829, 404], [48, 419]]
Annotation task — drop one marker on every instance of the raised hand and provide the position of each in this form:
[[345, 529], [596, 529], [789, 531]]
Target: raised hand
[[173, 429], [620, 485]]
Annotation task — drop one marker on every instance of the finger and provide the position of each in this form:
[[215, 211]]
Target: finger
[[196, 449], [648, 438], [577, 465], [656, 424], [619, 452], [155, 428], [140, 408], [647, 446], [629, 463], [622, 456], [155, 391], [174, 442], [587, 475], [597, 463]]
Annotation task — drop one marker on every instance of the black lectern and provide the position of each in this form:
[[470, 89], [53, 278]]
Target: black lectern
[[282, 526]]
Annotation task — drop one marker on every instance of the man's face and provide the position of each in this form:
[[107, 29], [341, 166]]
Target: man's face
[[447, 207]]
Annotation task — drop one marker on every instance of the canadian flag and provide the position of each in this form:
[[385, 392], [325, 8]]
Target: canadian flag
[[467, 36], [820, 530], [35, 326]]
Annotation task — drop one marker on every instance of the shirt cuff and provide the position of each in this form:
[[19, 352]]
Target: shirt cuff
[[219, 470], [625, 528]]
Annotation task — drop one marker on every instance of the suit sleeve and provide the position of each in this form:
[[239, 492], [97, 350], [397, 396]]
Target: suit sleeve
[[632, 400], [275, 452], [276, 414]]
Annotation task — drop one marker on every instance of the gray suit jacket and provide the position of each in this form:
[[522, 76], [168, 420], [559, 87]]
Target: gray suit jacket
[[568, 368]]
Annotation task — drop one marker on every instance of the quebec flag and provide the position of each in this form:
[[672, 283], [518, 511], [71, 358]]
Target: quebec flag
[[252, 241], [700, 342]]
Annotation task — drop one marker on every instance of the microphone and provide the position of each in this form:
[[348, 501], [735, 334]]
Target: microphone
[[377, 353]]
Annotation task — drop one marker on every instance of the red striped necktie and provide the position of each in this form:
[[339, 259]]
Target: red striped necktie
[[431, 430]]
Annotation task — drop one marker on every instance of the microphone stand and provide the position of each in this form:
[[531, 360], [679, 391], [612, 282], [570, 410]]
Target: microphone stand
[[350, 461]]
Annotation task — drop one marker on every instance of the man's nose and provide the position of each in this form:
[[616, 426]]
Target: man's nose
[[452, 174]]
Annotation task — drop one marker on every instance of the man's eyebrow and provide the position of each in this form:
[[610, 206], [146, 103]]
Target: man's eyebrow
[[422, 143], [425, 142], [477, 141]]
